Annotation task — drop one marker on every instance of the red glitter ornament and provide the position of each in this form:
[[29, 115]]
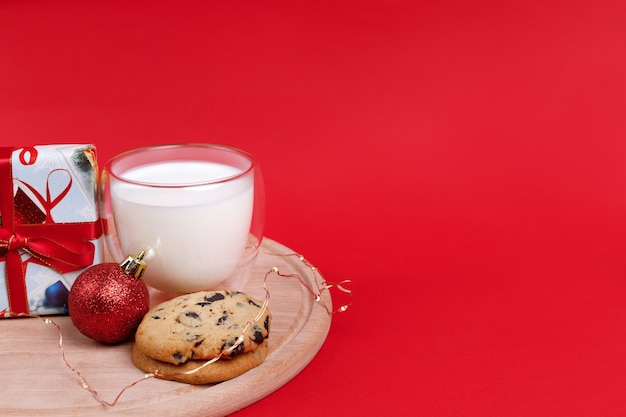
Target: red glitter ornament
[[108, 301]]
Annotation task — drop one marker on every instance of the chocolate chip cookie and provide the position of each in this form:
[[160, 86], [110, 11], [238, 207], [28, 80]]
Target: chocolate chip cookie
[[203, 325]]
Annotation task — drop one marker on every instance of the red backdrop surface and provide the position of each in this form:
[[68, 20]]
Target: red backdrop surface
[[462, 162]]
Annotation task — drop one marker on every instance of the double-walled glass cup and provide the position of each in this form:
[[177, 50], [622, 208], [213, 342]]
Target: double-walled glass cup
[[195, 209]]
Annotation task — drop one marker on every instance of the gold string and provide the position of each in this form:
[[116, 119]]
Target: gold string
[[83, 381], [320, 284]]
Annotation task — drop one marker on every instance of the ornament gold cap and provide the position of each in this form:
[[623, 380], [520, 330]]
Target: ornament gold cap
[[134, 266]]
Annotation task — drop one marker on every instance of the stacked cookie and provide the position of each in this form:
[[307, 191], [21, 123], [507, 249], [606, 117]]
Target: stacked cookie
[[181, 334]]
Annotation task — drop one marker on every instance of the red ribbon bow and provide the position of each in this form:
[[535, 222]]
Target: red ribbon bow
[[64, 247]]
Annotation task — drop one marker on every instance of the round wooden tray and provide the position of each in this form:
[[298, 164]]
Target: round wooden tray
[[37, 382]]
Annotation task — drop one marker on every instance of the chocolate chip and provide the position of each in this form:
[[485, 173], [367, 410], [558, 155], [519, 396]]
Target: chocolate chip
[[215, 297], [209, 299], [236, 351], [191, 338], [192, 314], [198, 343], [155, 317], [223, 319], [257, 336], [266, 323], [253, 303], [178, 357]]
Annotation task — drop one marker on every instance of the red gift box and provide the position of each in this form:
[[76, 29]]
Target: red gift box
[[50, 228]]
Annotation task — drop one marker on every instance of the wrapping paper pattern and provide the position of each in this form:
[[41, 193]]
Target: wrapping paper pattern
[[50, 227]]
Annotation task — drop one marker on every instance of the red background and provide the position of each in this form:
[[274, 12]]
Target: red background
[[462, 162]]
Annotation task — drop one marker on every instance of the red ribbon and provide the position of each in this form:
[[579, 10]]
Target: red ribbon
[[64, 247], [48, 203]]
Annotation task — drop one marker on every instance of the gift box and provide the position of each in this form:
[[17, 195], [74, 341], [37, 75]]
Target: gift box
[[50, 229]]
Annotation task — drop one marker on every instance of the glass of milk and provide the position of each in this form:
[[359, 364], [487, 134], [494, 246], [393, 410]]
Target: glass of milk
[[195, 209]]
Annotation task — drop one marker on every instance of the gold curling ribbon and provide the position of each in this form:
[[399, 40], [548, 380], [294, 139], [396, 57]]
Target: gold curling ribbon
[[321, 285]]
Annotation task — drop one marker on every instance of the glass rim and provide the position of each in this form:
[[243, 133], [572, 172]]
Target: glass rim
[[109, 166]]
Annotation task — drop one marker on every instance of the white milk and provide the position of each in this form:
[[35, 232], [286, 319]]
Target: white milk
[[194, 236]]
